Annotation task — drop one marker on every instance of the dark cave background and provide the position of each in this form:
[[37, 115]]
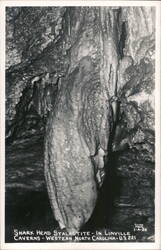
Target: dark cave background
[[38, 44]]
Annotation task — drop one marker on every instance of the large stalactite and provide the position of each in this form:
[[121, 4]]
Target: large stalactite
[[78, 130]]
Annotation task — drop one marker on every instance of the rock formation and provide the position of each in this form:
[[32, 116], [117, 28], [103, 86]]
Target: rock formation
[[88, 74]]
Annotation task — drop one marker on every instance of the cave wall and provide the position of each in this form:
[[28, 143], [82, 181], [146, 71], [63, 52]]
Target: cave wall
[[45, 50]]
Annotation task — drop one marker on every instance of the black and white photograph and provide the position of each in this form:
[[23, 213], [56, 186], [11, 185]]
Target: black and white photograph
[[80, 124]]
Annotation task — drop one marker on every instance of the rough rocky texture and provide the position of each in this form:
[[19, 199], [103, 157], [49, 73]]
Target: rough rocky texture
[[68, 74], [33, 58]]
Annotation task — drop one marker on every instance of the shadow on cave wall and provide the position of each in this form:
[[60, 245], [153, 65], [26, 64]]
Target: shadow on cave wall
[[105, 209], [110, 190]]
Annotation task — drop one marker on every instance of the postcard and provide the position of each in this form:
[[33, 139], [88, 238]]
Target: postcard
[[80, 124]]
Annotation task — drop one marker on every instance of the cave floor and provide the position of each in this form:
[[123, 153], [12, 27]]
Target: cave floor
[[27, 206]]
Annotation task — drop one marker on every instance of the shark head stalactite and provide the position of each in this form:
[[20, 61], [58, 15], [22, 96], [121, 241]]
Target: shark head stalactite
[[79, 128], [78, 125]]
